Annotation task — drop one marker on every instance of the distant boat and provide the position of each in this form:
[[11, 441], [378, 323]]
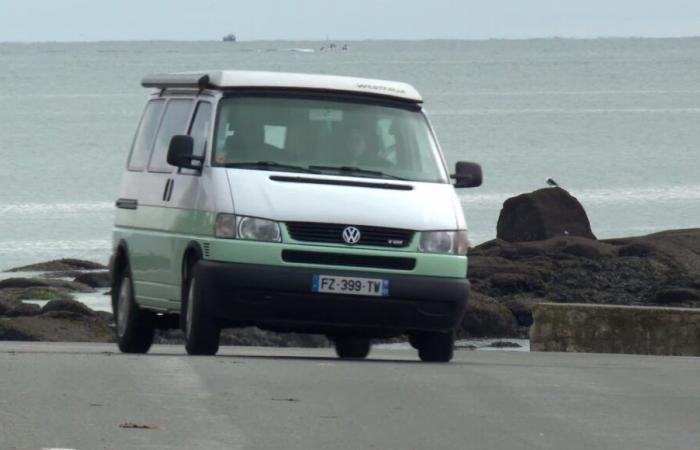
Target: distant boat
[[229, 38], [301, 50]]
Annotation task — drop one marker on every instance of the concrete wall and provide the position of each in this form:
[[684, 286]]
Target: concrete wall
[[642, 330]]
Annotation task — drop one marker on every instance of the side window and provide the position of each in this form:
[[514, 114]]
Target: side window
[[143, 142], [200, 127], [174, 122]]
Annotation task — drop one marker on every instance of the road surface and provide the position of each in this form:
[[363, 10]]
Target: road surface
[[81, 396]]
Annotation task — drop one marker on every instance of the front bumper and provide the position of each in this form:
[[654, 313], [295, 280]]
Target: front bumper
[[280, 298]]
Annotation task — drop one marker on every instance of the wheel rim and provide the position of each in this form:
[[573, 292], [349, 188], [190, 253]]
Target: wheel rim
[[123, 306], [189, 313]]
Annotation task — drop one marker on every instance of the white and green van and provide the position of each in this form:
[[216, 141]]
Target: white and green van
[[291, 202]]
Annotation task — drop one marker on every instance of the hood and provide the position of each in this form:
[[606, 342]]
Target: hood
[[286, 197]]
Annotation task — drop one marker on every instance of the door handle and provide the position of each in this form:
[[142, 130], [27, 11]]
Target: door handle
[[168, 191]]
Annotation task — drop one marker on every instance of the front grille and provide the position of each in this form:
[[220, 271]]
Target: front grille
[[340, 259], [332, 233]]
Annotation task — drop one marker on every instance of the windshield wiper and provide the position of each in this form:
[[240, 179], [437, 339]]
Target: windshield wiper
[[357, 170], [271, 165]]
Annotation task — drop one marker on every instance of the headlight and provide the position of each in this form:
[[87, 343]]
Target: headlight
[[247, 228], [254, 229], [452, 242]]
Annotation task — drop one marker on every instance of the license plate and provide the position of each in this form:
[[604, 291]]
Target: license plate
[[350, 285]]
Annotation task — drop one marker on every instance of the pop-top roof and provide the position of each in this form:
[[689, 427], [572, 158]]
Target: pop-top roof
[[231, 79]]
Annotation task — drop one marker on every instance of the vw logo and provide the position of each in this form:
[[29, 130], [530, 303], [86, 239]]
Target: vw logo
[[351, 235]]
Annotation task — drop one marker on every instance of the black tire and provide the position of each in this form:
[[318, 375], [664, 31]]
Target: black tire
[[352, 348], [202, 332], [435, 347], [135, 327]]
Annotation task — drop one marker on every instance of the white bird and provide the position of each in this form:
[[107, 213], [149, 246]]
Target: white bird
[[551, 182]]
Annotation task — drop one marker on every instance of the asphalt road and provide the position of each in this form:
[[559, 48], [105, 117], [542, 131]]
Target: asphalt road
[[76, 396]]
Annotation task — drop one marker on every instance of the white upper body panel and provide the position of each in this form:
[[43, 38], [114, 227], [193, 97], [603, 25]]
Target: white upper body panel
[[231, 79], [427, 206]]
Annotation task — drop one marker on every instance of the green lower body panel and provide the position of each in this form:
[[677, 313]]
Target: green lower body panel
[[156, 256]]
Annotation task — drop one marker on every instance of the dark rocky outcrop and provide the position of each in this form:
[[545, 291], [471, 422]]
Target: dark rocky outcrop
[[658, 269], [19, 309], [677, 249], [95, 279], [55, 327], [23, 283], [486, 317], [13, 306], [541, 215], [69, 306], [677, 295], [60, 265]]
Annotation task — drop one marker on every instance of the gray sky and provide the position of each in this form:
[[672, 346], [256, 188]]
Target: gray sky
[[89, 20]]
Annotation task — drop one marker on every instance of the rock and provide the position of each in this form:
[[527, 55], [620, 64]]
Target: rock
[[560, 247], [95, 279], [585, 250], [580, 270], [677, 295], [22, 283], [104, 315], [5, 306], [69, 274], [513, 283], [54, 329], [70, 306], [23, 309], [43, 283], [8, 301], [678, 249], [59, 265], [34, 293], [486, 266], [542, 214], [10, 332], [504, 344], [485, 317], [69, 315], [639, 249], [522, 310]]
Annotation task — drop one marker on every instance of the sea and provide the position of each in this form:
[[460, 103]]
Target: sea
[[616, 122]]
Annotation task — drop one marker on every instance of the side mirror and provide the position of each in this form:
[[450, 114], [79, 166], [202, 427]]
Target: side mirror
[[467, 174], [181, 153]]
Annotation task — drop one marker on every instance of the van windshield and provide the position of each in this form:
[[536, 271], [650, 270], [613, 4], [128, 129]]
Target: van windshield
[[325, 136]]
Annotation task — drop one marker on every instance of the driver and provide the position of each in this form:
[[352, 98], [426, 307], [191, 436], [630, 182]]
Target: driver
[[360, 153]]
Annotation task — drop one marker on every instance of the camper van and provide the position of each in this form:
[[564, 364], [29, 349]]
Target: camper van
[[294, 203]]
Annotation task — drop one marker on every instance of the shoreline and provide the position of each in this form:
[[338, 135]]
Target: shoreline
[[49, 301]]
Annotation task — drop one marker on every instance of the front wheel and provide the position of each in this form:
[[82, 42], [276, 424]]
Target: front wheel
[[201, 331], [435, 347], [135, 326], [355, 348]]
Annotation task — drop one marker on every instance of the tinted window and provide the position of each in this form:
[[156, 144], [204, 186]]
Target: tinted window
[[174, 122], [143, 142]]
